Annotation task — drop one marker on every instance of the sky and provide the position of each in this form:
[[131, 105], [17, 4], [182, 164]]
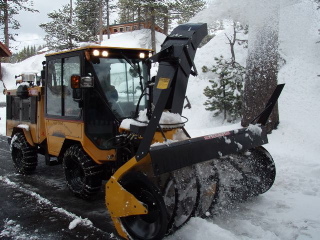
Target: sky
[[30, 33]]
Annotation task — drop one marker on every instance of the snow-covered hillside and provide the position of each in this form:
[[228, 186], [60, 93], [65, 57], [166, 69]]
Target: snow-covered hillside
[[290, 210]]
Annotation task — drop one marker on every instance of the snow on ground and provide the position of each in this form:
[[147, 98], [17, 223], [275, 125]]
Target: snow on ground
[[136, 39], [10, 70], [290, 210], [2, 121]]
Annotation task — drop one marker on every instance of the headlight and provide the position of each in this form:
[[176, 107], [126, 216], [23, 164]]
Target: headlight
[[96, 53], [105, 54], [142, 55]]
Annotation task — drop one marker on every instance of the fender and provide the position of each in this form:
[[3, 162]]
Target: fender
[[26, 132]]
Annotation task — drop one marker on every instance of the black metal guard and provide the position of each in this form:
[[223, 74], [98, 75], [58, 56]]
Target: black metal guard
[[175, 65]]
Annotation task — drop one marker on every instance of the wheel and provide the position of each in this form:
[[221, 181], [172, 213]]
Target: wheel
[[181, 195], [83, 175], [187, 186], [152, 225], [24, 156], [263, 169], [258, 170], [209, 187]]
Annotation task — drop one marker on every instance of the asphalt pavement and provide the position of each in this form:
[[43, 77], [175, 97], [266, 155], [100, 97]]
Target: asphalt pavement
[[40, 206]]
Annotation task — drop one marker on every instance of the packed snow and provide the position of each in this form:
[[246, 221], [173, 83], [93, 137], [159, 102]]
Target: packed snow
[[167, 119], [291, 209]]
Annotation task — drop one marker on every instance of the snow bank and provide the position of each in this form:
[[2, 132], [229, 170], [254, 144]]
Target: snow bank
[[290, 210], [205, 57], [10, 70], [199, 228], [135, 39], [2, 121]]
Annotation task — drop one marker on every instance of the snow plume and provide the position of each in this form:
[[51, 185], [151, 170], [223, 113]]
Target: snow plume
[[245, 11]]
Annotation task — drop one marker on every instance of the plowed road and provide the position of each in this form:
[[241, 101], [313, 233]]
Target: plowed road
[[40, 206]]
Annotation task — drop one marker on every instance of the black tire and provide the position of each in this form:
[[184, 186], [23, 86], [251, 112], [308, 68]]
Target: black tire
[[83, 175], [150, 226], [187, 197], [264, 169], [258, 171], [209, 188], [24, 156]]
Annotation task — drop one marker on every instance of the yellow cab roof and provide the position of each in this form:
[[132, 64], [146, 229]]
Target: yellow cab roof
[[97, 47]]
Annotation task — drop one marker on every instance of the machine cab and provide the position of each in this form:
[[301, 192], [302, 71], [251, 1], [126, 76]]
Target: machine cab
[[98, 86]]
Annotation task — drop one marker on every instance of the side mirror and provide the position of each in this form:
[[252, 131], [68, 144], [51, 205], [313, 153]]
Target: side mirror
[[78, 82]]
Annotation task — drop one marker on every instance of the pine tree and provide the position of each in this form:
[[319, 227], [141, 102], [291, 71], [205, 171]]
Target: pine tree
[[7, 11], [87, 19], [62, 33], [184, 10], [25, 53], [106, 7], [225, 93]]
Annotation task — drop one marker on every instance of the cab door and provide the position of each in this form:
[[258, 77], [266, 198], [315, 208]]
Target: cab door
[[63, 114]]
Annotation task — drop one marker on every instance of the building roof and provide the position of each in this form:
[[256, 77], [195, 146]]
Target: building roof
[[135, 22], [4, 51]]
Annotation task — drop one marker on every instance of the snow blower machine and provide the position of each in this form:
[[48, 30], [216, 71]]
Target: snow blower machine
[[97, 111]]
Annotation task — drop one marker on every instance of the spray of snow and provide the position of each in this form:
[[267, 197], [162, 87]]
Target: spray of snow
[[250, 12]]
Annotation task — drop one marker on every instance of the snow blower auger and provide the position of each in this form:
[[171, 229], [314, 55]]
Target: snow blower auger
[[171, 176]]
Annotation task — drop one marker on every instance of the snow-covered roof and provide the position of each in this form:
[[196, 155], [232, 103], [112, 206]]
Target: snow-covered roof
[[4, 50]]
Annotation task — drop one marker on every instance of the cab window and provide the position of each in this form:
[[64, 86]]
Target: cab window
[[59, 92]]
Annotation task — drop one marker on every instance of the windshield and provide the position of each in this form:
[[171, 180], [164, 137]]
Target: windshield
[[120, 81]]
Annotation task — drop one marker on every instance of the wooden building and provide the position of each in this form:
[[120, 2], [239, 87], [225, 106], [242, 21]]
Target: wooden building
[[4, 52], [130, 26]]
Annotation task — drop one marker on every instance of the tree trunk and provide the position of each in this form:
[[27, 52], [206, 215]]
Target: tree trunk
[[6, 23], [100, 22], [71, 20], [139, 15], [71, 11], [108, 19], [166, 21], [262, 71], [152, 27]]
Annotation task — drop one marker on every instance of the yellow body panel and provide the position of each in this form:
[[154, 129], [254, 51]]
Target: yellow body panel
[[36, 133], [121, 203], [98, 155], [29, 134], [59, 130], [41, 131]]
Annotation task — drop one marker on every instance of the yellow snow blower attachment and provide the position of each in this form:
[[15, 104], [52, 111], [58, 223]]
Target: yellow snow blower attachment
[[172, 176]]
